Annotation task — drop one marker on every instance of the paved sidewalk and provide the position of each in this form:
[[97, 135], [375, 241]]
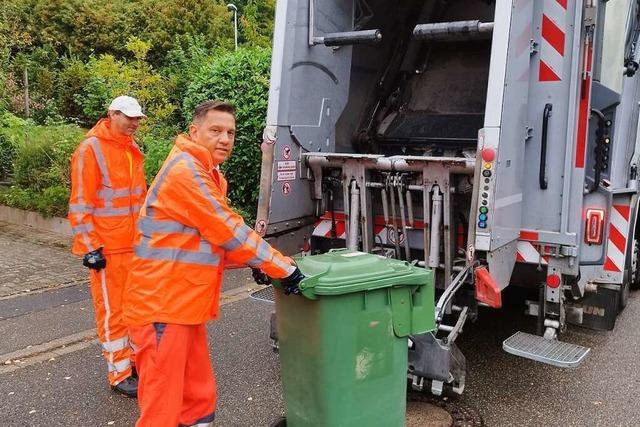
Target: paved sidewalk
[[56, 375], [32, 260]]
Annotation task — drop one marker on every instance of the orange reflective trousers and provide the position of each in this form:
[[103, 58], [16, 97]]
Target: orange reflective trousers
[[107, 288], [176, 384]]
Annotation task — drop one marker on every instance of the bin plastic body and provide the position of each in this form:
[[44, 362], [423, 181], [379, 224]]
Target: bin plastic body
[[343, 342]]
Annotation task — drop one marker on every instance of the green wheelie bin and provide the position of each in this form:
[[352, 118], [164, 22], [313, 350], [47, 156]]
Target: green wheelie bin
[[343, 339]]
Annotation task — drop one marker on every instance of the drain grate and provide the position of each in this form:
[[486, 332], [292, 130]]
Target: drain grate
[[461, 414], [264, 295]]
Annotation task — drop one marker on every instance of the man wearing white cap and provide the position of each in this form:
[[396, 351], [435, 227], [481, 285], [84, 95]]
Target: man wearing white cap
[[107, 189]]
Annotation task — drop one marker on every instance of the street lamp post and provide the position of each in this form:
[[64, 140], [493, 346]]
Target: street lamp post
[[233, 7]]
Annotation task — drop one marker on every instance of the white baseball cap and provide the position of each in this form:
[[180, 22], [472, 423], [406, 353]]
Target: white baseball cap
[[127, 106]]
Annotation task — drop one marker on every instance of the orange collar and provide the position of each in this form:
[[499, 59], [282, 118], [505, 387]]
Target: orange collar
[[184, 143], [103, 131]]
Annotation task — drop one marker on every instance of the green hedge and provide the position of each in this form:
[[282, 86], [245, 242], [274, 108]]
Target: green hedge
[[241, 78], [39, 155], [40, 163]]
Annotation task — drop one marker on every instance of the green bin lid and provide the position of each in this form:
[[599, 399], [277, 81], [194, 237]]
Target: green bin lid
[[343, 271]]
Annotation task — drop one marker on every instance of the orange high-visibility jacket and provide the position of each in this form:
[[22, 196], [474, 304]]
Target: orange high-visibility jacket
[[107, 190], [186, 232]]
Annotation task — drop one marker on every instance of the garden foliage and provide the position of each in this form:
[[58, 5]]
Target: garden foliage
[[80, 54]]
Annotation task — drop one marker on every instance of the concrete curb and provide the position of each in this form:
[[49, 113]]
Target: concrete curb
[[33, 219]]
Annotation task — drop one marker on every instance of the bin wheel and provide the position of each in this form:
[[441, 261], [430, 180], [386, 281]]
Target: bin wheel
[[280, 422]]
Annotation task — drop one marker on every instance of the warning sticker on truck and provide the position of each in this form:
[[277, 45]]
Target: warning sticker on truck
[[289, 165], [287, 175]]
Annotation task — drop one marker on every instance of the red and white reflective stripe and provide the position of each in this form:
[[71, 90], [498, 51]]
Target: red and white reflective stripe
[[528, 253], [552, 46], [617, 242], [323, 229]]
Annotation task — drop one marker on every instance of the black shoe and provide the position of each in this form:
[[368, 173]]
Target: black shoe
[[127, 387]]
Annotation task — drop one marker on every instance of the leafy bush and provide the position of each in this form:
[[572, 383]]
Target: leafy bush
[[241, 78], [109, 78], [9, 137], [72, 79], [19, 198], [7, 154], [43, 154], [156, 150], [40, 163], [53, 201]]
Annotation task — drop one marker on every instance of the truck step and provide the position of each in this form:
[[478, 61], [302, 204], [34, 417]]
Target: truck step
[[552, 352]]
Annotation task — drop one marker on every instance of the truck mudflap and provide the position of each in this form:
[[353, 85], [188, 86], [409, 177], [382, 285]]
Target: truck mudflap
[[597, 310]]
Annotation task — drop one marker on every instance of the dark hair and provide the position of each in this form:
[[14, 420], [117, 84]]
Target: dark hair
[[201, 110]]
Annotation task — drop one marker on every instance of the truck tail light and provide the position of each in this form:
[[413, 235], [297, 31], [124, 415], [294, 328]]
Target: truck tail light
[[594, 229]]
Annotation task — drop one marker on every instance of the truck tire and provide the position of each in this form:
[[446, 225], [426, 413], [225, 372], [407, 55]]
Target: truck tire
[[632, 280], [623, 297]]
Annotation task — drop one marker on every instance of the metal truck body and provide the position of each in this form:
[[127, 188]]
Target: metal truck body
[[495, 142]]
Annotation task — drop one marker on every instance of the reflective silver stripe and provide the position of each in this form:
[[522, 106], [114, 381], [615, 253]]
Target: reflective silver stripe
[[85, 208], [168, 254], [260, 254], [80, 208], [79, 178], [283, 265], [109, 193], [202, 424], [102, 164], [82, 228], [115, 345], [120, 366], [205, 246], [150, 225], [264, 255], [153, 191], [241, 234], [102, 212], [264, 250], [203, 187]]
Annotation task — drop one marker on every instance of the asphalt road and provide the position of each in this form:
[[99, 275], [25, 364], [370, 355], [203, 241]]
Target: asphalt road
[[69, 387]]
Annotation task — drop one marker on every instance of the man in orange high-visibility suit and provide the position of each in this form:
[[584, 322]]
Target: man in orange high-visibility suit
[[107, 190], [186, 234]]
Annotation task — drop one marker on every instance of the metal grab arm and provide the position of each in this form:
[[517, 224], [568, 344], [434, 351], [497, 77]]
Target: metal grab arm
[[451, 290]]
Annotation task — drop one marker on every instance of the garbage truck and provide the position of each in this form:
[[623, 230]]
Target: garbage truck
[[494, 142]]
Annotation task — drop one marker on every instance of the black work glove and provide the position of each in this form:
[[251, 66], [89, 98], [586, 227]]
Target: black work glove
[[290, 283], [94, 260], [260, 277]]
